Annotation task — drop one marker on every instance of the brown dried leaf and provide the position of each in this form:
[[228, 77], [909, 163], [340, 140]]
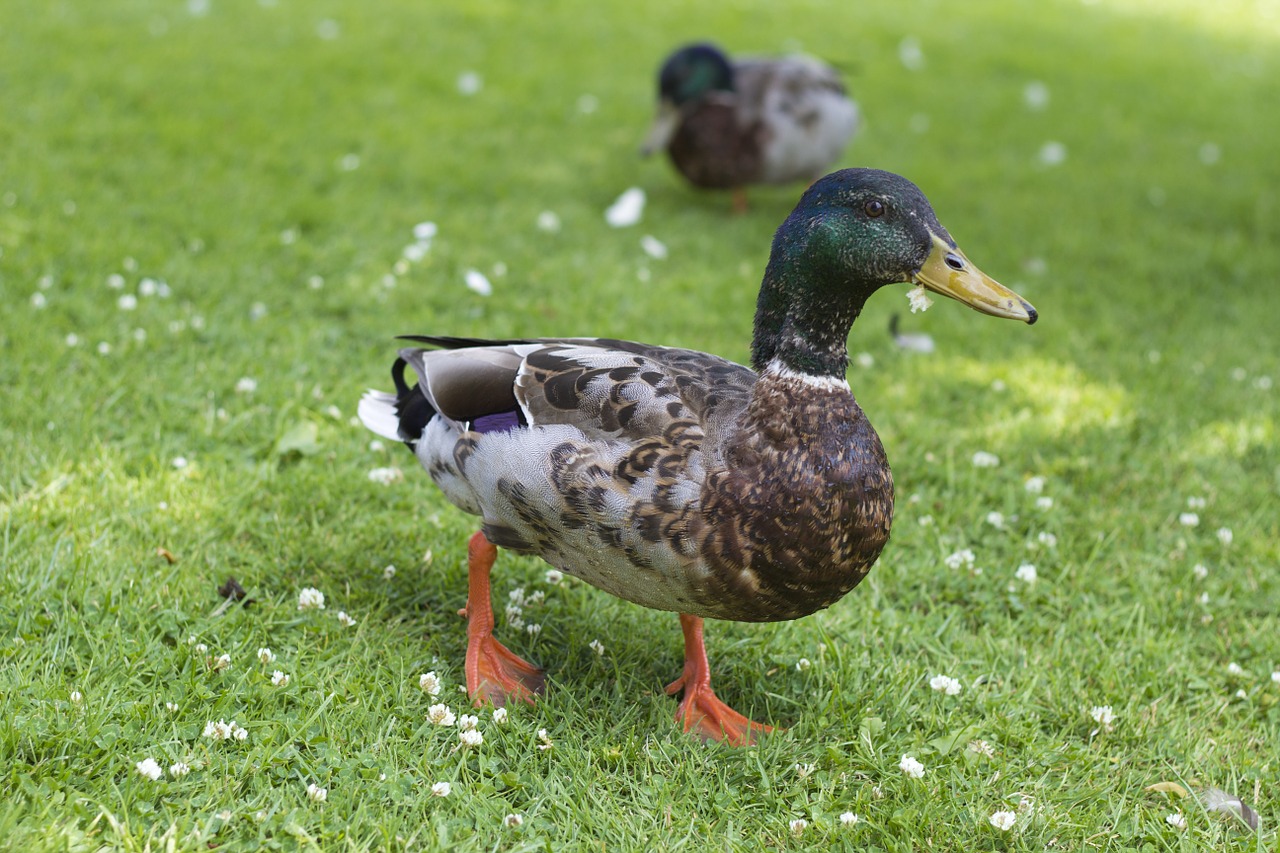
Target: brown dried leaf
[[167, 554], [1169, 788]]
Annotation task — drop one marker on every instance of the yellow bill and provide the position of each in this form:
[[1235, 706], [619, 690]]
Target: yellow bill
[[948, 272]]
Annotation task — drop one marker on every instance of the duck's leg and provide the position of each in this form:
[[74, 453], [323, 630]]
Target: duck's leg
[[494, 673], [739, 200], [701, 712]]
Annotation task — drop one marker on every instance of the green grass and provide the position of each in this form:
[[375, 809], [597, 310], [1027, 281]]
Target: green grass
[[143, 140]]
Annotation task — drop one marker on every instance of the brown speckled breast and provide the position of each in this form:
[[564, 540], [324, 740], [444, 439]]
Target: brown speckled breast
[[802, 510], [713, 150]]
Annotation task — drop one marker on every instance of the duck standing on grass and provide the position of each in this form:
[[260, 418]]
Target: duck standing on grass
[[676, 479], [754, 121]]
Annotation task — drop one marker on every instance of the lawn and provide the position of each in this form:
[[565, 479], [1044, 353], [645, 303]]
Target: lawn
[[207, 244]]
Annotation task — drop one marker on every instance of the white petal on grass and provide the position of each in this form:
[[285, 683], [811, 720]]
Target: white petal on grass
[[910, 54], [1003, 820], [1035, 95], [548, 221], [653, 247], [386, 476], [478, 283], [627, 210], [919, 300], [1052, 154]]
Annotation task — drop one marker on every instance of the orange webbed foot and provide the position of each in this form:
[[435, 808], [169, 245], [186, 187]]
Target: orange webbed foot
[[494, 673], [701, 712]]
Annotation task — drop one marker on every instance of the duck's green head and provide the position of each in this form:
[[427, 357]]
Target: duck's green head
[[853, 232], [687, 75]]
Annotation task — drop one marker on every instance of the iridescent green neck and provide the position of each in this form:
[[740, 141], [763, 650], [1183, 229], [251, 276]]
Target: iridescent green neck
[[806, 308]]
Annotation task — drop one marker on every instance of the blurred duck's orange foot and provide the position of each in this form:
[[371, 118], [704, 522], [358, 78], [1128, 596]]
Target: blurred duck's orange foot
[[701, 712], [494, 673]]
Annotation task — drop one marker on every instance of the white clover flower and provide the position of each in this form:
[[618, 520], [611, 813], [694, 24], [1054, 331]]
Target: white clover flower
[[1026, 573], [1195, 502], [1241, 694], [919, 300], [980, 747], [470, 737], [217, 731], [344, 620], [179, 462], [1204, 598], [597, 647], [1034, 485], [76, 697], [429, 683], [849, 819], [925, 521], [1188, 519], [148, 769], [39, 300], [1200, 571], [1003, 821], [554, 576], [171, 707], [316, 794], [804, 770], [310, 598], [995, 519], [441, 789], [237, 732], [533, 628], [864, 360], [803, 664], [127, 302], [468, 721], [983, 459], [1275, 676], [1234, 668], [386, 476], [279, 679], [1047, 539], [1052, 153], [265, 655], [548, 221], [963, 557], [512, 820], [221, 662], [201, 648], [441, 715], [179, 768], [798, 826], [246, 385], [1044, 503], [545, 738], [115, 281], [1103, 715], [946, 684], [535, 598], [1176, 820], [469, 83], [1225, 535], [388, 573], [911, 767]]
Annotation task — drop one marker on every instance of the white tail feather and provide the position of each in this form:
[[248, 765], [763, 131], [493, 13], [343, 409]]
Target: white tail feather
[[377, 410]]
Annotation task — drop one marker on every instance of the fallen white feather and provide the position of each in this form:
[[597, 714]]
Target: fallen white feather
[[627, 210]]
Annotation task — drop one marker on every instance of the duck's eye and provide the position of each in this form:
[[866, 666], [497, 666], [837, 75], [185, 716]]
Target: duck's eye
[[954, 261], [874, 208]]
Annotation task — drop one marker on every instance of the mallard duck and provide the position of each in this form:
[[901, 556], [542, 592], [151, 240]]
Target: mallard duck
[[753, 121], [673, 478]]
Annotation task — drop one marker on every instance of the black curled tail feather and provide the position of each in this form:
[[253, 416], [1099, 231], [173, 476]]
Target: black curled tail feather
[[411, 405]]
